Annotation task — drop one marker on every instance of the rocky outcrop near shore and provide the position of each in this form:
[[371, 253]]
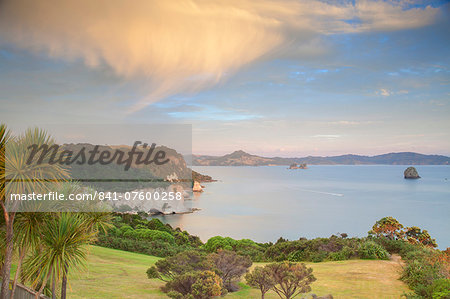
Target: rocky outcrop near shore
[[197, 187], [411, 173], [298, 166]]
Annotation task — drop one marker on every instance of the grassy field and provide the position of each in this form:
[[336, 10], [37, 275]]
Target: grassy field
[[118, 274]]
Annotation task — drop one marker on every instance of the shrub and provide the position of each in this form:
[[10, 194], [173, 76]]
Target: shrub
[[124, 229], [440, 289], [188, 261], [207, 285], [395, 246], [149, 235], [343, 254], [156, 248], [420, 274], [372, 250], [296, 256], [244, 247], [218, 242], [317, 257], [290, 279], [198, 285], [230, 267], [156, 224]]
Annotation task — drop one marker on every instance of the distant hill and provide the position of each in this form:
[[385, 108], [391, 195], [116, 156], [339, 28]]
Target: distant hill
[[241, 158]]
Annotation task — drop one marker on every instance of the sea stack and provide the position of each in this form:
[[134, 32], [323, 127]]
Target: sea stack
[[197, 187], [411, 173]]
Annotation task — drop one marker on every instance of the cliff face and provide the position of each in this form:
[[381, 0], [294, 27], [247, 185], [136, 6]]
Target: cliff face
[[139, 174], [202, 178]]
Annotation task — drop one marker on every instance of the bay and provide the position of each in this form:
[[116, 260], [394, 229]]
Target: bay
[[265, 203]]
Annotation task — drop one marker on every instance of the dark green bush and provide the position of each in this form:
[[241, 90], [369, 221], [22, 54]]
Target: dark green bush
[[244, 247], [343, 254], [149, 235], [371, 250], [218, 242], [419, 275], [440, 289], [318, 257]]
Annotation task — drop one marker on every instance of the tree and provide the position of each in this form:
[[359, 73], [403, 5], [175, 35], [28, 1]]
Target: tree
[[197, 284], [19, 177], [7, 249], [64, 238], [187, 261], [95, 221], [415, 235], [207, 285], [260, 278], [230, 267], [291, 279], [27, 227], [218, 242], [388, 227]]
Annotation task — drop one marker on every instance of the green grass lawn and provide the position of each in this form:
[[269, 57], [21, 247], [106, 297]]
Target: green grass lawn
[[118, 274]]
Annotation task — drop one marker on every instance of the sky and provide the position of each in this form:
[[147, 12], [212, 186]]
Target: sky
[[274, 78]]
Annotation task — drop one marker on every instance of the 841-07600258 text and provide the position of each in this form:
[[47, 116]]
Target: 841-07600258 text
[[140, 195], [102, 196]]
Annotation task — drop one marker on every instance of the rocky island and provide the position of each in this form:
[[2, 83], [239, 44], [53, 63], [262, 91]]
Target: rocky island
[[298, 166], [411, 173]]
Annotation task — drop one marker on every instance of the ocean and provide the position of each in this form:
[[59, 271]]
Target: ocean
[[268, 202]]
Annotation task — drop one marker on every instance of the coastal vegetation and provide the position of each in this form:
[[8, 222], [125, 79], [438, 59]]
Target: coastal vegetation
[[133, 232], [425, 267], [189, 261], [112, 273]]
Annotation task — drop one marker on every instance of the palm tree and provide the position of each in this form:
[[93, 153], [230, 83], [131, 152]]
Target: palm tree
[[27, 227], [19, 177], [95, 221], [7, 251], [64, 238]]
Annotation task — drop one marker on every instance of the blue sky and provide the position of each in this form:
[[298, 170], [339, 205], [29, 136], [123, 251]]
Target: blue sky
[[353, 82]]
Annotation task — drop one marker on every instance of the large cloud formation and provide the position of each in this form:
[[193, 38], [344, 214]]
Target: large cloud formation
[[186, 45]]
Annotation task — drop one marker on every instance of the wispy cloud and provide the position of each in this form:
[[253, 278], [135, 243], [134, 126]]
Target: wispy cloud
[[185, 46], [208, 112], [350, 123], [387, 92], [327, 136]]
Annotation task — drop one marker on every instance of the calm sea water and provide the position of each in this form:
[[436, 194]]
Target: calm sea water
[[265, 203]]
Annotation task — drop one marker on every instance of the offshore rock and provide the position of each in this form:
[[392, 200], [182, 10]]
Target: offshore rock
[[411, 173], [197, 187]]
